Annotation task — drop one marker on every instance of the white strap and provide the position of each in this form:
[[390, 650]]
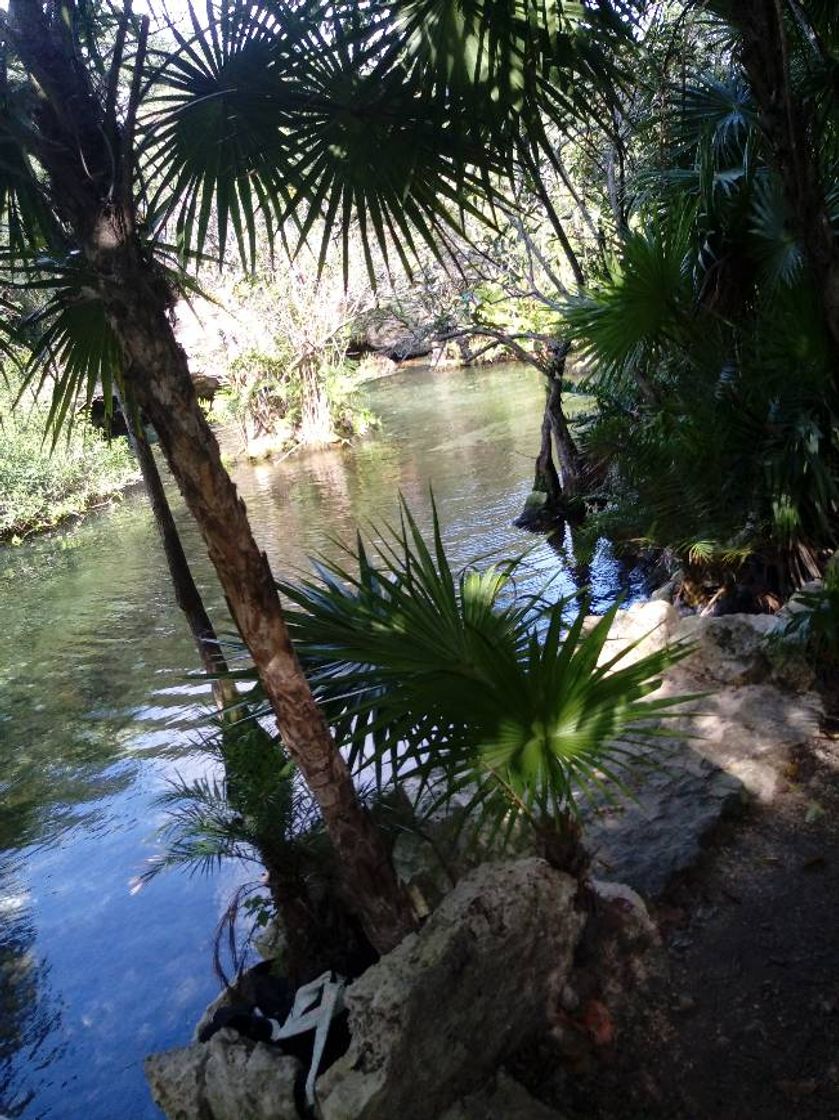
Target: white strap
[[315, 1006]]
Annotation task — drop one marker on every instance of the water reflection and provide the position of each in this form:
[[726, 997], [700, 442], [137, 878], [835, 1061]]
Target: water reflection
[[97, 711]]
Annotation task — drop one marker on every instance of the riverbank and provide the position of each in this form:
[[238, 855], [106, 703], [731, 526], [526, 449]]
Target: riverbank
[[43, 486], [685, 1017], [100, 711], [742, 1020]]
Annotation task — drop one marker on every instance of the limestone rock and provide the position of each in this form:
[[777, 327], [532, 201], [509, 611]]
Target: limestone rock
[[654, 623], [176, 1080], [502, 1099], [647, 838], [432, 1019], [253, 1080], [227, 1078], [732, 649], [392, 337], [736, 741], [750, 731]]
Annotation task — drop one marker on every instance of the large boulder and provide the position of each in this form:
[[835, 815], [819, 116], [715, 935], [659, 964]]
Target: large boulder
[[432, 1019], [751, 710], [388, 335], [657, 828], [227, 1078]]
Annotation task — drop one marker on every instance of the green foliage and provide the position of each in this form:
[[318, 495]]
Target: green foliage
[[717, 424], [254, 809], [456, 688], [638, 311], [815, 620], [295, 385], [263, 116], [266, 395], [41, 486]]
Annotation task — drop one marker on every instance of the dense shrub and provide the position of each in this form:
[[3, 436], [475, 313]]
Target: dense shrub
[[42, 485]]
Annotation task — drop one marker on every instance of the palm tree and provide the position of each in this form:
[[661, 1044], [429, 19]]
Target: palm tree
[[395, 115], [712, 357], [788, 50], [464, 692]]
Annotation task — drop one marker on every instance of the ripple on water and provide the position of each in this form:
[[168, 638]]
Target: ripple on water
[[97, 713]]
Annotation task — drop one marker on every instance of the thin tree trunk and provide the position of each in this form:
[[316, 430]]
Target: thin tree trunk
[[559, 466], [568, 454], [187, 595], [547, 480]]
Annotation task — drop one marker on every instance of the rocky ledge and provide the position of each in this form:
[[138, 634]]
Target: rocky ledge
[[753, 707], [515, 950]]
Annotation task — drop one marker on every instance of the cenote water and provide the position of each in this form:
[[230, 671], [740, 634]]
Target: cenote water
[[98, 711]]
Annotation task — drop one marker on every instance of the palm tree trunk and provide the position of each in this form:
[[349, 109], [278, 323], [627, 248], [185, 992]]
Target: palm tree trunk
[[88, 163], [156, 369]]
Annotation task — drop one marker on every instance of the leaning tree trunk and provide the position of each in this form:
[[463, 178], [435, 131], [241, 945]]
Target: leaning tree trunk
[[88, 161], [187, 595], [156, 369]]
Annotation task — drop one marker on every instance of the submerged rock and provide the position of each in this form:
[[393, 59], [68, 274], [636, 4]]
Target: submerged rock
[[432, 1019]]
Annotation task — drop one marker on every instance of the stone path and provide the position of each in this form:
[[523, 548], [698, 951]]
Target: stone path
[[753, 714]]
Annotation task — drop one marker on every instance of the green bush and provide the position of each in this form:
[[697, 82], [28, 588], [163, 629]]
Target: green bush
[[41, 485], [815, 622]]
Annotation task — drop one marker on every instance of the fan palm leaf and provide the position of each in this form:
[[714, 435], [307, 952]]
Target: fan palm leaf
[[398, 117], [450, 683]]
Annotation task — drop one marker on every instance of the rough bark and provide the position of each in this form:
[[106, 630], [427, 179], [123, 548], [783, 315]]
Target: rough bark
[[565, 478], [158, 373], [547, 479], [88, 165], [568, 454]]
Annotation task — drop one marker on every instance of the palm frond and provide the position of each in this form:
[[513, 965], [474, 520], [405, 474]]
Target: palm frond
[[396, 119], [642, 304], [443, 681], [70, 339], [776, 246]]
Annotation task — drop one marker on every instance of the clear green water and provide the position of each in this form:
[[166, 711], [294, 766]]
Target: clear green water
[[97, 711]]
